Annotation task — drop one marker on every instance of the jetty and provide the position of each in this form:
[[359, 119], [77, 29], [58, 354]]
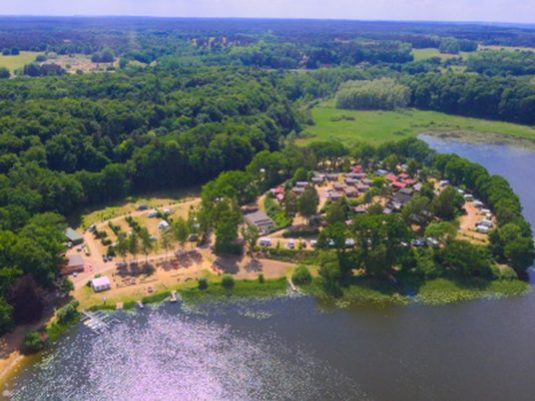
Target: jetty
[[292, 285], [97, 321]]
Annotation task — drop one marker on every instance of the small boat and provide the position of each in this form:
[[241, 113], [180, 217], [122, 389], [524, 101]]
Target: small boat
[[140, 304], [173, 297]]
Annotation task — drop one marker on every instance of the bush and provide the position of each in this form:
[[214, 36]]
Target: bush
[[301, 276], [203, 284], [227, 282], [68, 312], [261, 279], [32, 343]]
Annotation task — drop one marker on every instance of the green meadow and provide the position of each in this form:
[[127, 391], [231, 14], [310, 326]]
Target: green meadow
[[13, 63], [375, 127]]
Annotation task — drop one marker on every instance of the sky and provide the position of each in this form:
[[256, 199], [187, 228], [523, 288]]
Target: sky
[[520, 11]]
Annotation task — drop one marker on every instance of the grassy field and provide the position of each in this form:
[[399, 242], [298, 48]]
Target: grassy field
[[424, 54], [376, 127], [13, 63], [129, 205], [508, 48]]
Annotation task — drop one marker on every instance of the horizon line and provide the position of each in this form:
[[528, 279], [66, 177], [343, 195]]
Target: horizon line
[[477, 22]]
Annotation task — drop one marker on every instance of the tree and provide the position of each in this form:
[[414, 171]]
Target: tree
[[330, 278], [377, 262], [226, 236], [337, 212], [133, 244], [122, 245], [4, 73], [181, 231], [203, 284], [6, 317], [166, 240], [147, 244], [301, 276], [441, 231], [466, 259], [520, 253], [308, 202], [450, 46], [301, 174], [250, 235], [227, 282], [68, 312], [384, 93], [32, 343], [28, 300], [391, 162], [290, 204], [447, 203], [417, 210]]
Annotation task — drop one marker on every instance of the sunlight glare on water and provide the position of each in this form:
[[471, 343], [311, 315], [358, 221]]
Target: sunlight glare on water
[[162, 357]]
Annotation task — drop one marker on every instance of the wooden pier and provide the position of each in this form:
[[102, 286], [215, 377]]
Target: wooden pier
[[97, 321]]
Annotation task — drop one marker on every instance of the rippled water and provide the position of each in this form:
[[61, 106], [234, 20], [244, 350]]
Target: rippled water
[[291, 349], [168, 354]]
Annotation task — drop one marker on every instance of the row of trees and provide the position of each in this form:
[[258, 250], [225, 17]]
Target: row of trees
[[502, 62], [508, 99]]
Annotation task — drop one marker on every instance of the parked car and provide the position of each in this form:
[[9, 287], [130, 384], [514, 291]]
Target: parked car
[[418, 242]]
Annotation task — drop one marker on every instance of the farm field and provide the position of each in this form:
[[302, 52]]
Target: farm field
[[375, 127], [13, 63]]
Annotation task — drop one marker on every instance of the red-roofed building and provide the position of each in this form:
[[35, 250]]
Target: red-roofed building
[[399, 184], [278, 191], [392, 178]]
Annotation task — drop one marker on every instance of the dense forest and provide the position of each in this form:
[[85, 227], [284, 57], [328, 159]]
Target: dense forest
[[190, 99]]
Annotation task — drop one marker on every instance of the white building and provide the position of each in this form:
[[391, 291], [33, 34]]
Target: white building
[[101, 284]]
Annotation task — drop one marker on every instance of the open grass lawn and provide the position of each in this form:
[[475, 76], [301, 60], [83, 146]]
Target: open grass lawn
[[375, 127], [13, 63]]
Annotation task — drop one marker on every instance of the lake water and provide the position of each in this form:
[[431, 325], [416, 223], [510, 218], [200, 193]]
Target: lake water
[[293, 349]]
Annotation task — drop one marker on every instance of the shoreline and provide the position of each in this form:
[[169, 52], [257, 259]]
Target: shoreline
[[491, 138], [278, 287]]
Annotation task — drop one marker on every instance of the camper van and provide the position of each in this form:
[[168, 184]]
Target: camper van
[[482, 229]]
